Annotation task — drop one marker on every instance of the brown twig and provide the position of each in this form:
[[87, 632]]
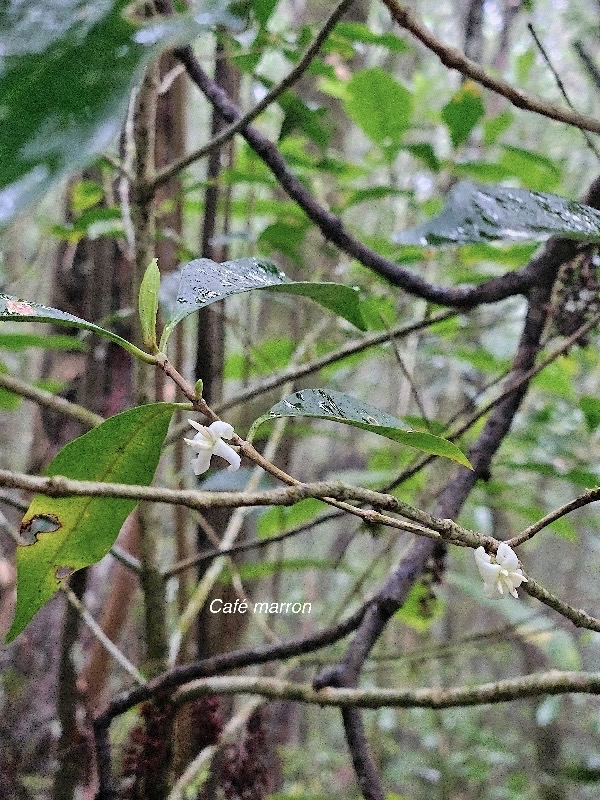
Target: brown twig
[[453, 58]]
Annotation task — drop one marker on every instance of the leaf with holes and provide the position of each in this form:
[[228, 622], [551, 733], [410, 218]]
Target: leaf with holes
[[476, 213], [340, 407], [202, 282], [64, 534]]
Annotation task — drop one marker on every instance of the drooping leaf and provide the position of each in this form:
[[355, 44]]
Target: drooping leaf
[[535, 171], [339, 407], [15, 310], [379, 105], [69, 533], [463, 112], [476, 213], [66, 74], [494, 127], [202, 282], [301, 117]]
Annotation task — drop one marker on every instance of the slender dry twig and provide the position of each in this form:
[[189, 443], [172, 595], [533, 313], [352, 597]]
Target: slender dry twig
[[49, 400], [109, 645], [591, 496], [560, 84], [542, 683]]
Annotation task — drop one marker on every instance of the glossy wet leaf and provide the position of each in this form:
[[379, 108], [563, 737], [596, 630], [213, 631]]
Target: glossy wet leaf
[[66, 73], [69, 533], [339, 407], [476, 213], [202, 282], [15, 310]]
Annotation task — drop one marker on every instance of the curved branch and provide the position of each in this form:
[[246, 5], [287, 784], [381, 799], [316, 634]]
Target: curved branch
[[290, 79], [332, 227], [49, 400], [453, 58]]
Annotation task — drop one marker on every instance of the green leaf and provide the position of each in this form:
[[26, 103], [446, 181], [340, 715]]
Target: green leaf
[[69, 533], [85, 194], [65, 79], [202, 282], [591, 411], [359, 32], [535, 171], [148, 304], [425, 152], [22, 341], [421, 608], [463, 112], [283, 518], [476, 213], [494, 127], [339, 407], [15, 310], [380, 106], [300, 117]]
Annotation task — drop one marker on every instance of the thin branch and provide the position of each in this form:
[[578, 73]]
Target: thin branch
[[554, 682], [579, 617], [49, 400], [560, 84], [109, 645], [332, 227], [591, 496], [367, 774], [588, 62], [454, 58], [234, 659], [331, 492], [294, 75], [255, 544]]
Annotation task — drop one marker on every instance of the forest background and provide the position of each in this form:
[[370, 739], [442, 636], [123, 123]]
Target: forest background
[[326, 140]]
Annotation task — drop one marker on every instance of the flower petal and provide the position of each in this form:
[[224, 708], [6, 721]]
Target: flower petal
[[202, 462], [507, 558], [228, 453], [199, 443], [221, 430]]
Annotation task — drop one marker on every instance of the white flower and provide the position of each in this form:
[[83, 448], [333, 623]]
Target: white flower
[[208, 442], [501, 575]]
